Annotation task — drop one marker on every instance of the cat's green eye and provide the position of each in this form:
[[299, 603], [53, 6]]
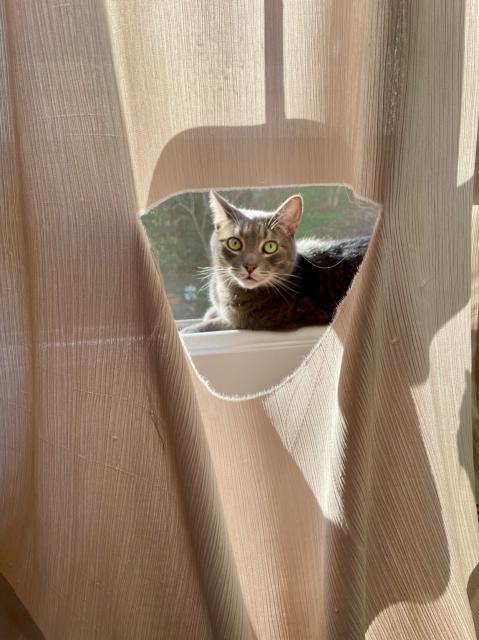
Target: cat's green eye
[[234, 244], [270, 247]]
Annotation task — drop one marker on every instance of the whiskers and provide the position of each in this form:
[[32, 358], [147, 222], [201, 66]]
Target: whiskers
[[330, 266], [284, 285], [206, 274]]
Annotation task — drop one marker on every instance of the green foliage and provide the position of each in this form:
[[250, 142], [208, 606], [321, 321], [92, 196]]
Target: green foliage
[[179, 231]]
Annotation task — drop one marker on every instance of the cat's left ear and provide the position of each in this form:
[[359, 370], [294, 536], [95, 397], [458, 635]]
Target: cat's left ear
[[289, 214], [222, 210]]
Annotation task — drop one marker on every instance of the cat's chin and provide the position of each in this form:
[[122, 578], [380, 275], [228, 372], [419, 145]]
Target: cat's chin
[[248, 283]]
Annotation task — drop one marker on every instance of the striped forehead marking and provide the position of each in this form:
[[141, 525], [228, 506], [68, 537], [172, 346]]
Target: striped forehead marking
[[251, 228]]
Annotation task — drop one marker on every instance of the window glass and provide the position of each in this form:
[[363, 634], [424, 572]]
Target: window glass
[[179, 231]]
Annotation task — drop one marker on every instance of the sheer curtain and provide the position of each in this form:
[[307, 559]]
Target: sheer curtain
[[136, 502]]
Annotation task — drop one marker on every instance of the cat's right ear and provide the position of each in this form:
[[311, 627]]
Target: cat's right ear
[[289, 214], [222, 210]]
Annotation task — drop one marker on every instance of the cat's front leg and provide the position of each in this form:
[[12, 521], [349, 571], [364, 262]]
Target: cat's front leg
[[211, 313], [214, 324], [211, 321]]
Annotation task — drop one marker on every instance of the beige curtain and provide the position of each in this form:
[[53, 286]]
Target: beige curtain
[[137, 503]]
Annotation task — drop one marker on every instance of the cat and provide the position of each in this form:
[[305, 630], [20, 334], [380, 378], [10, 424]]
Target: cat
[[263, 278]]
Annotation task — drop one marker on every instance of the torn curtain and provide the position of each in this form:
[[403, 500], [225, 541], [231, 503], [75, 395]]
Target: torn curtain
[[135, 501]]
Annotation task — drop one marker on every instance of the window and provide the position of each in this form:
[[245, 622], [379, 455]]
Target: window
[[179, 231]]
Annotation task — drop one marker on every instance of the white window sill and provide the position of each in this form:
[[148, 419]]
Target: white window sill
[[247, 362]]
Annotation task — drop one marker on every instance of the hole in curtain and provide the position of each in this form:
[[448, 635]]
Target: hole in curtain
[[179, 230]]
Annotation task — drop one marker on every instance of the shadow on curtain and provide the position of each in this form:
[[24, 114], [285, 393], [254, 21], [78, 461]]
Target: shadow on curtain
[[166, 497], [389, 486]]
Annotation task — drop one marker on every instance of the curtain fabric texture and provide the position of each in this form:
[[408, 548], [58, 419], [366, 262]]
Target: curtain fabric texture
[[135, 501]]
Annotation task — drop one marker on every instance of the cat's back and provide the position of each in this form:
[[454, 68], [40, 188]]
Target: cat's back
[[327, 252], [323, 272]]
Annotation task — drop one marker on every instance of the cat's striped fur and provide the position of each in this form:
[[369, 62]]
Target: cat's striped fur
[[300, 284]]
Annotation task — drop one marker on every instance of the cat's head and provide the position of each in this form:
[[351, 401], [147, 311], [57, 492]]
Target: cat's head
[[254, 248]]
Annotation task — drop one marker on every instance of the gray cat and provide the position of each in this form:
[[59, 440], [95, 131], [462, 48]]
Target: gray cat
[[262, 278]]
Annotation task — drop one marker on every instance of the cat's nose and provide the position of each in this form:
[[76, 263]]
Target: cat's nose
[[250, 268]]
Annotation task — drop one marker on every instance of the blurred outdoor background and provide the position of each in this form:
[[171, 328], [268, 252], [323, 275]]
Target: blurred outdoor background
[[180, 228]]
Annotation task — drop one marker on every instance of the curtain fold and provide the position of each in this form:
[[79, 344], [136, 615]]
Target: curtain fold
[[136, 501]]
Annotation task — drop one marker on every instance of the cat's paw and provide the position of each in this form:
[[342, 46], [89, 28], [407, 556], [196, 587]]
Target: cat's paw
[[216, 324], [193, 328]]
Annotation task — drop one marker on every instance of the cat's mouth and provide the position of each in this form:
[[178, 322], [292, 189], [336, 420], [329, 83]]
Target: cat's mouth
[[248, 282]]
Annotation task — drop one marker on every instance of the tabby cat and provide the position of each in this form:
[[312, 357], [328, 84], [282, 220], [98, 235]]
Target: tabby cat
[[263, 278]]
